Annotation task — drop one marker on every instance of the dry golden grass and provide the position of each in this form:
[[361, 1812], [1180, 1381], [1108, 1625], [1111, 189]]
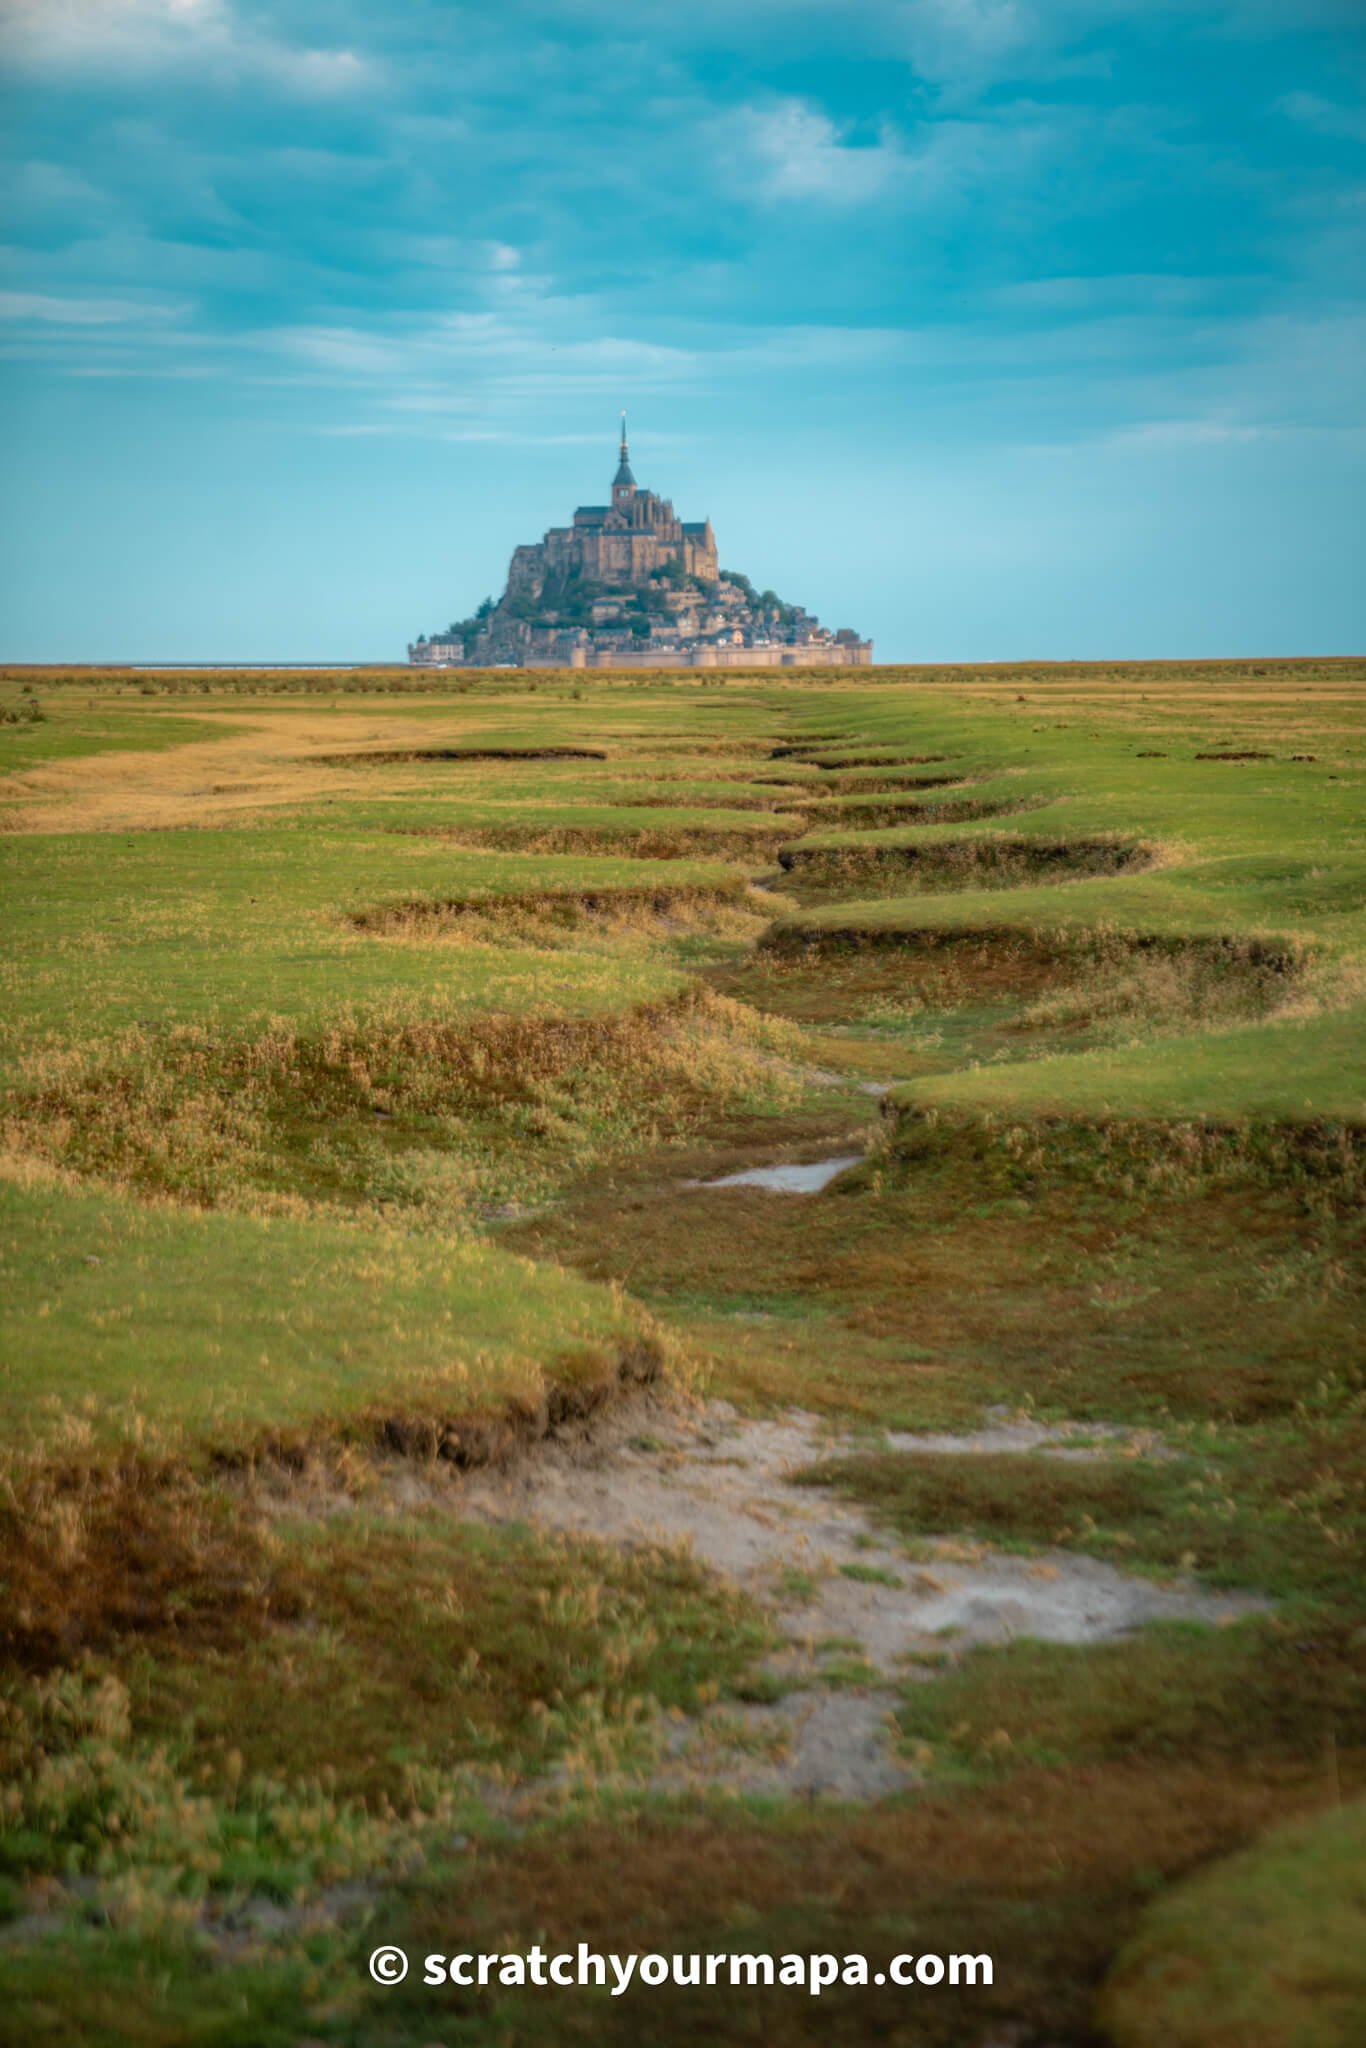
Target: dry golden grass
[[265, 761], [285, 1117], [209, 782]]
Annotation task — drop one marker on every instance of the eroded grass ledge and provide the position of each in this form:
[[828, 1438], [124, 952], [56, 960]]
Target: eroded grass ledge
[[386, 757], [995, 859], [552, 910], [396, 1110], [1130, 1154]]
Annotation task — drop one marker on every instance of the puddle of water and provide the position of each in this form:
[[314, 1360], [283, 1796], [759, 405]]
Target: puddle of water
[[787, 1180]]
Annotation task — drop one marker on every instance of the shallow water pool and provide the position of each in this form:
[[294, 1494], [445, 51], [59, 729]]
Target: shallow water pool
[[788, 1180]]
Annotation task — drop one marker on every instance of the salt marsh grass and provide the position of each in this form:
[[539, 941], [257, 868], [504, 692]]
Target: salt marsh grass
[[365, 1039]]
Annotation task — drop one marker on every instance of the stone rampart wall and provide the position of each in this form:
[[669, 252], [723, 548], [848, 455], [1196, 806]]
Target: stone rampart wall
[[858, 656]]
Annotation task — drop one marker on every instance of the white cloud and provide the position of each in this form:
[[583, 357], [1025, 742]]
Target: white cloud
[[161, 372], [204, 36], [509, 435], [83, 312], [953, 35], [961, 47], [1346, 123], [1187, 434], [38, 189], [1089, 296], [458, 361], [347, 349], [794, 153], [799, 153]]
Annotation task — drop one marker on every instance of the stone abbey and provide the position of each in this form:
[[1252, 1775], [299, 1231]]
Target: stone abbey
[[630, 585]]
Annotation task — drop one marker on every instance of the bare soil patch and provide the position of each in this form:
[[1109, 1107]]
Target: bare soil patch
[[855, 1612]]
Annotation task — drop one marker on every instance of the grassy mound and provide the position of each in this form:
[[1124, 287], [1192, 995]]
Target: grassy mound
[[881, 781], [541, 917], [1262, 1949], [1301, 1070], [224, 926], [148, 1325], [749, 840], [876, 757], [865, 813]]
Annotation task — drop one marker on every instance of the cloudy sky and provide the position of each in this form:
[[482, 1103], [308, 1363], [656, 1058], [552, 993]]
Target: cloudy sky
[[996, 328]]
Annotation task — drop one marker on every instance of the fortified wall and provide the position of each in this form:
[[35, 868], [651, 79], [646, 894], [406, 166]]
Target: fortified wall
[[830, 654]]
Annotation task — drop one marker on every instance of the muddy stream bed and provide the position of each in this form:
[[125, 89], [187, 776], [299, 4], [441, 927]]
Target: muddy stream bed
[[856, 1615], [845, 1597]]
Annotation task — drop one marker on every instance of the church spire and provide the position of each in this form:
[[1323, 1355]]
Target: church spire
[[623, 483]]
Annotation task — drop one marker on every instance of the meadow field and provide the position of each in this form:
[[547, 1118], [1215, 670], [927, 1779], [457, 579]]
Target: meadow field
[[447, 1501]]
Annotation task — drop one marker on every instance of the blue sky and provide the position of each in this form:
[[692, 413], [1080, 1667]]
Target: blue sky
[[995, 328]]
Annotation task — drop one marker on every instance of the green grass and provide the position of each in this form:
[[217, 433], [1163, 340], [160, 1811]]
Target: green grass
[[1234, 1516], [350, 1110], [1262, 1692], [71, 729], [517, 821], [870, 1574], [917, 1294], [154, 1325], [1296, 1069], [239, 926], [421, 1645], [1264, 1948], [1270, 850]]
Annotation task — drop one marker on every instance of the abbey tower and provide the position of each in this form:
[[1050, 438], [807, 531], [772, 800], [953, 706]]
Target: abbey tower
[[626, 542]]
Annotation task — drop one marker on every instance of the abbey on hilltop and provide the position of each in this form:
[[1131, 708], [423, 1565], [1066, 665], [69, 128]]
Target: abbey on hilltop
[[630, 585]]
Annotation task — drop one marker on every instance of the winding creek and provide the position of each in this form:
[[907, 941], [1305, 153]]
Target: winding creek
[[856, 1614]]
